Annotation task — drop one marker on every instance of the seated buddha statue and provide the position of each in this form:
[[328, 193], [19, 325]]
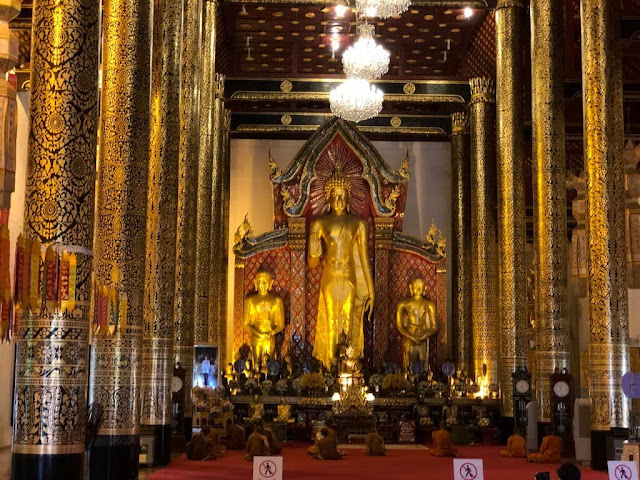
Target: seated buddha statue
[[416, 322], [284, 411], [256, 409], [263, 319]]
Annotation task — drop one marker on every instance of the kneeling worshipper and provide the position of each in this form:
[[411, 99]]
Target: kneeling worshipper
[[236, 436], [257, 444], [374, 444], [515, 446], [326, 446], [568, 471], [442, 446], [201, 447], [550, 449], [275, 447]]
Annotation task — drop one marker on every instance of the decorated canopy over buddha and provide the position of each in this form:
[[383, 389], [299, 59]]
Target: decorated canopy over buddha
[[338, 256]]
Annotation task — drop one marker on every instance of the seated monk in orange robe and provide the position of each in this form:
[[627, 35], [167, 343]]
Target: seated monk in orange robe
[[200, 447], [442, 446], [550, 450], [374, 444], [257, 444], [275, 447], [236, 437], [326, 446], [515, 446]]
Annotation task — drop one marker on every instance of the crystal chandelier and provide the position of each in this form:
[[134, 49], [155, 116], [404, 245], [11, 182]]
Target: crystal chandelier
[[355, 100], [365, 59], [382, 8]]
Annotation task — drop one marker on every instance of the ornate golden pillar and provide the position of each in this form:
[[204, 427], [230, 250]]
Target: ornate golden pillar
[[207, 89], [224, 244], [484, 266], [607, 289], [162, 203], [549, 197], [216, 234], [512, 284], [187, 201], [120, 232], [461, 240], [52, 345]]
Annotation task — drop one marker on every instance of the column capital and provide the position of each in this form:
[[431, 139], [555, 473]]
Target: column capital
[[459, 123], [219, 85], [509, 3], [483, 89]]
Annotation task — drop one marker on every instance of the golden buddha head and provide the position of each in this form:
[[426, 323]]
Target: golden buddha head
[[263, 281], [337, 190], [416, 287]]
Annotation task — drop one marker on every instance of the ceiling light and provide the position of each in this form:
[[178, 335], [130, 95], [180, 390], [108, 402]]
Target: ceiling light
[[382, 8], [365, 58], [468, 12], [341, 10], [355, 100]]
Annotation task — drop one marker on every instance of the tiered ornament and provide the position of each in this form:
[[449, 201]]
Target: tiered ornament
[[382, 8], [356, 100], [365, 59], [109, 310]]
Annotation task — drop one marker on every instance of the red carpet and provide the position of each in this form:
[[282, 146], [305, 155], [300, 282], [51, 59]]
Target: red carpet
[[398, 464]]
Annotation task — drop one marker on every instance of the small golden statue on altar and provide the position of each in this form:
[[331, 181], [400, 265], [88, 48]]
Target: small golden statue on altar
[[416, 321], [263, 319], [284, 411], [256, 409], [346, 287]]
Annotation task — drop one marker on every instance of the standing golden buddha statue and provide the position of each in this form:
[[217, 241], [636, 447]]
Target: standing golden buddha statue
[[416, 321], [346, 287], [263, 319]]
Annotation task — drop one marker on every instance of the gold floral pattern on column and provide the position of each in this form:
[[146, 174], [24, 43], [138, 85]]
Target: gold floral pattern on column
[[122, 200], [51, 368], [160, 276], [605, 219], [512, 286], [461, 240], [483, 231], [187, 201], [549, 198]]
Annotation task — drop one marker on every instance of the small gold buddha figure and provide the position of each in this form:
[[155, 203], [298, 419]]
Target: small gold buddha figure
[[416, 321], [263, 319], [284, 411], [256, 409], [338, 239]]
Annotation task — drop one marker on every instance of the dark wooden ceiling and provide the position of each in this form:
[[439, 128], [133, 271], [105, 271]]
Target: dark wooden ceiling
[[295, 41]]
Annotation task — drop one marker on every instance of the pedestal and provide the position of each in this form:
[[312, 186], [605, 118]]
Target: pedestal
[[631, 452]]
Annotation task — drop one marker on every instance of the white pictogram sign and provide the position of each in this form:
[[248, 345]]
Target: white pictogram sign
[[622, 470], [267, 468], [467, 469]]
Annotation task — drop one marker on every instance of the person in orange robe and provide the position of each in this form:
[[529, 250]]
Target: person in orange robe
[[326, 446], [515, 446], [549, 449], [442, 446]]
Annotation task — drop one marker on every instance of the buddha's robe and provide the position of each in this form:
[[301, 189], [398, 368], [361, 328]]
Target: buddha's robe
[[200, 447], [257, 446], [442, 446], [374, 445], [515, 447], [549, 450]]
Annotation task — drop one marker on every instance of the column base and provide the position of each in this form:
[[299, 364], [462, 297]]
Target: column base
[[52, 467], [188, 428], [162, 445], [505, 427], [599, 449], [114, 457]]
